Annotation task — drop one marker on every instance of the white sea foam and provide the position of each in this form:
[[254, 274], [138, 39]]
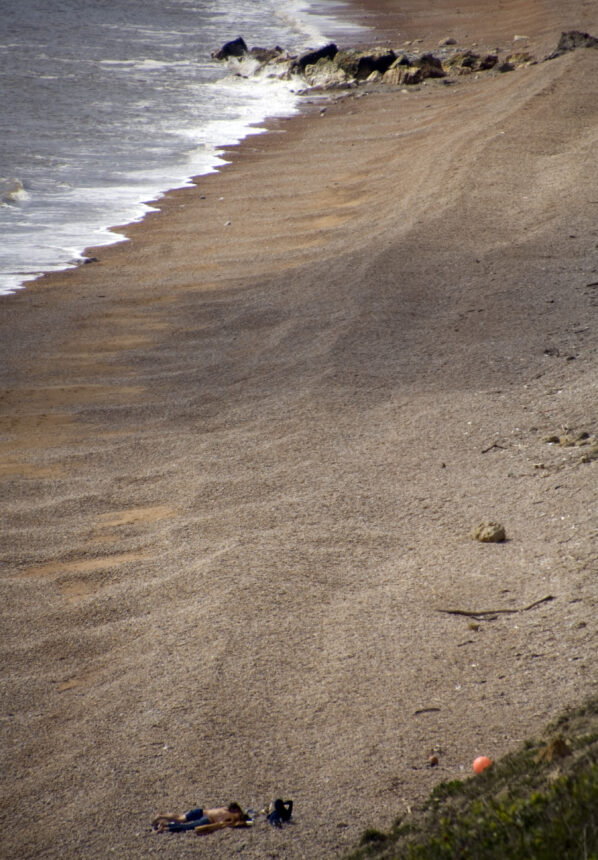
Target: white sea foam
[[309, 18], [12, 191]]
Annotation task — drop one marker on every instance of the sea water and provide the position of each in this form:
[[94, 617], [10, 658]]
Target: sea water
[[106, 104]]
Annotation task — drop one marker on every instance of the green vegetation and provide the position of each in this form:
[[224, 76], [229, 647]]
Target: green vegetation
[[539, 803]]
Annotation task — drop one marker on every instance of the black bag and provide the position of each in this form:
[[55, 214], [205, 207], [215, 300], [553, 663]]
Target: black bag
[[281, 812]]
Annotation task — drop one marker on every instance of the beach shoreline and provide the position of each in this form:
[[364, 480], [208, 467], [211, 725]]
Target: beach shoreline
[[244, 452], [194, 105]]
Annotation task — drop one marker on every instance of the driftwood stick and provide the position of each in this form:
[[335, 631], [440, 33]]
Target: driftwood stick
[[490, 447], [533, 605], [480, 614]]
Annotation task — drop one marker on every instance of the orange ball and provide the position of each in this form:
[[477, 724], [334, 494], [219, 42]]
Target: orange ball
[[481, 763]]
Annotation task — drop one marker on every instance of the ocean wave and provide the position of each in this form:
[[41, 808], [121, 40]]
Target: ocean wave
[[145, 64]]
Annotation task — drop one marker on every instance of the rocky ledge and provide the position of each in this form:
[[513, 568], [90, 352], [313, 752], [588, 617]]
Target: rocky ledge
[[330, 67]]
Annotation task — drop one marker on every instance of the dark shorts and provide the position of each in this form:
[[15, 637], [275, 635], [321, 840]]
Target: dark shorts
[[194, 814], [195, 818]]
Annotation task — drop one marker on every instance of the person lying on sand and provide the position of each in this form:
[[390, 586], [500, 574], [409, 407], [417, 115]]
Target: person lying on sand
[[202, 819]]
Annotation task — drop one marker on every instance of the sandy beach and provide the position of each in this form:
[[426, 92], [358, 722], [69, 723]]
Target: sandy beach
[[242, 455]]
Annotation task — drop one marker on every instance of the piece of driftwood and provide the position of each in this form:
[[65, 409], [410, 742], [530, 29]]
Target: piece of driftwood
[[490, 447], [491, 614]]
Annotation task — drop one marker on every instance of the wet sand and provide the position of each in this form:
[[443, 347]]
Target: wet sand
[[243, 453]]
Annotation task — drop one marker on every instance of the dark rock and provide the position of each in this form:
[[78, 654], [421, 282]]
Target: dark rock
[[488, 62], [360, 64], [310, 59], [431, 66], [506, 67], [572, 40], [374, 63], [234, 48], [413, 76], [348, 61]]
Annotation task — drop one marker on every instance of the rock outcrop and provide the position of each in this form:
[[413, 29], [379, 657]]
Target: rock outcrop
[[324, 73], [466, 62], [571, 40], [330, 67]]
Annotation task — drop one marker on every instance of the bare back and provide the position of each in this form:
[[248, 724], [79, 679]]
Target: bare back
[[221, 815]]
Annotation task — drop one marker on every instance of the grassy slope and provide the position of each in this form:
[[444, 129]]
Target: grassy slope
[[539, 802]]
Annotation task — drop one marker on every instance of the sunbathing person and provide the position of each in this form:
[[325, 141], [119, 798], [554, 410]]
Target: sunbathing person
[[221, 816]]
